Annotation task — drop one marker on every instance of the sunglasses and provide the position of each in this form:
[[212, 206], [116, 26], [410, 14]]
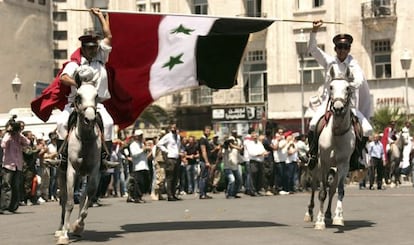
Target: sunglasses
[[343, 46]]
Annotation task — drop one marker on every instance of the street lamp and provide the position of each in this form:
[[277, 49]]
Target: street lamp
[[302, 49], [405, 64], [16, 85]]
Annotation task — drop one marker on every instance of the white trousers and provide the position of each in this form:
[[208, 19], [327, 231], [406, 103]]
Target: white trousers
[[62, 122], [366, 126]]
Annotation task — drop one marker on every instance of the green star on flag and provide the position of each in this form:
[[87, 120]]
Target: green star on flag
[[182, 29], [174, 60]]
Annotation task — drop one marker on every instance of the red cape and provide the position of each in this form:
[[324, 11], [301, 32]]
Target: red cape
[[55, 95]]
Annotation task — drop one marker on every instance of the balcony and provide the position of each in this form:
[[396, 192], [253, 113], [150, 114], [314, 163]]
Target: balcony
[[377, 14]]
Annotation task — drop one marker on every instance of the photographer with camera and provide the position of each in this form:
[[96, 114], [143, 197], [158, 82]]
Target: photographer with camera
[[12, 143], [231, 159]]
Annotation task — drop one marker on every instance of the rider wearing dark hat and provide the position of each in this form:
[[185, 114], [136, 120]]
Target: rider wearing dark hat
[[361, 101], [94, 53]]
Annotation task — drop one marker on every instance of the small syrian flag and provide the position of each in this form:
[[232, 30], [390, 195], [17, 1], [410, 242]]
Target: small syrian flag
[[154, 55]]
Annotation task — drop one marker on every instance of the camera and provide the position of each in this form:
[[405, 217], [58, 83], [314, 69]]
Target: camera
[[12, 126], [227, 143]]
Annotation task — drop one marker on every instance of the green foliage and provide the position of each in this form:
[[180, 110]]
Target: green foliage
[[154, 115], [383, 116]]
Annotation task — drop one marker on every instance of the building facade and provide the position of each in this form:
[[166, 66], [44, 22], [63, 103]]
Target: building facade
[[270, 77]]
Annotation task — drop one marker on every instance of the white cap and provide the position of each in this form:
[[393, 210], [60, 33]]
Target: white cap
[[138, 132]]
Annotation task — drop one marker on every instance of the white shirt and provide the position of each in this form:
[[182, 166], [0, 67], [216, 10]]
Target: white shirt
[[170, 145], [98, 66], [362, 96], [255, 150], [280, 155], [139, 156]]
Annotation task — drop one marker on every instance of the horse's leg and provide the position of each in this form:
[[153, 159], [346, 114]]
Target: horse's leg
[[89, 193], [332, 182], [70, 180], [320, 219], [339, 219], [309, 213], [397, 175], [61, 178]]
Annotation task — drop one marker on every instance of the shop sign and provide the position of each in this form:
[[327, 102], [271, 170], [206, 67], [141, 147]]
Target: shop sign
[[238, 113], [390, 101]]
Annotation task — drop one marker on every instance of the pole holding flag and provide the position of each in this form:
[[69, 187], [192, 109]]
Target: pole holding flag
[[207, 16]]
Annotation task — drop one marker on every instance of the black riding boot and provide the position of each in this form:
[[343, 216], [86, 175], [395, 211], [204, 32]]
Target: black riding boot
[[357, 154], [63, 156], [313, 149], [106, 158]]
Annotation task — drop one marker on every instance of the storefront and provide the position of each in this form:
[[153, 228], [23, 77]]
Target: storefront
[[239, 117]]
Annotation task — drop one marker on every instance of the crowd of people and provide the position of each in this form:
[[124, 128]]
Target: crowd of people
[[173, 164]]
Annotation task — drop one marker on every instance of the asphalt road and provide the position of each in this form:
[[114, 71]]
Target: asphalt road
[[371, 217]]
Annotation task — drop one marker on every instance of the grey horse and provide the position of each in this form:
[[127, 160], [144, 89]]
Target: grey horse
[[336, 145], [84, 156]]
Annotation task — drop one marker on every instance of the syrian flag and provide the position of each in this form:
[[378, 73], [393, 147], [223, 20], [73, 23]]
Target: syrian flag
[[154, 55]]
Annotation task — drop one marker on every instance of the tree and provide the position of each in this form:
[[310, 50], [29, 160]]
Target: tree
[[383, 116], [154, 115]]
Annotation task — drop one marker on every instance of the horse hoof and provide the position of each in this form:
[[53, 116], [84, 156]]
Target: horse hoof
[[320, 226], [338, 221], [307, 218], [77, 228], [62, 240], [59, 233]]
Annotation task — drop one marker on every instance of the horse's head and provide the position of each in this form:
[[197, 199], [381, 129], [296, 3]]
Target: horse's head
[[85, 103], [340, 90]]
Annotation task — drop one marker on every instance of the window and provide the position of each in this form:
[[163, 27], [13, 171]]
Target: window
[[42, 2], [32, 1], [317, 3], [60, 54], [60, 35], [255, 76], [253, 8], [141, 7], [202, 96], [256, 83], [55, 71], [156, 7], [312, 71], [381, 52], [60, 16], [200, 6], [206, 95], [381, 7], [255, 56]]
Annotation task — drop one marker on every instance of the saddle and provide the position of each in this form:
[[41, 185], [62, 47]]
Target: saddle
[[359, 141], [323, 121]]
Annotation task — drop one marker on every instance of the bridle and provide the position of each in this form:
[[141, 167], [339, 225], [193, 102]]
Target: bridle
[[86, 113]]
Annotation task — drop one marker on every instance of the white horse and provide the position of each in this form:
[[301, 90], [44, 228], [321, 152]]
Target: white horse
[[84, 156], [336, 145], [396, 154]]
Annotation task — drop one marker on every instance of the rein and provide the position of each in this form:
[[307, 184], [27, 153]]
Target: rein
[[346, 103]]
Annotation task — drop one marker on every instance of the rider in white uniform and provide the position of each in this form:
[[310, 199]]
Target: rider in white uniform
[[94, 55], [361, 100]]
